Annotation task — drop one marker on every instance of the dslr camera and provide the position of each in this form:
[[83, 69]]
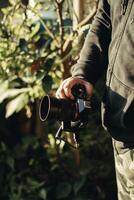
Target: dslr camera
[[73, 114]]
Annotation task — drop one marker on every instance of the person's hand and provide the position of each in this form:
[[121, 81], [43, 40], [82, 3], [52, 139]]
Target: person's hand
[[64, 91]]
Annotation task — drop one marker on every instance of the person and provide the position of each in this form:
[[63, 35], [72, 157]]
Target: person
[[109, 47]]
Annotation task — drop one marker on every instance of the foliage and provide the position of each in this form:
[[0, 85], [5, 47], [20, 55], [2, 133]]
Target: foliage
[[26, 57], [35, 54], [17, 180], [32, 171]]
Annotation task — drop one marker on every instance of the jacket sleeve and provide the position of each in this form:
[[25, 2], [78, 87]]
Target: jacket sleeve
[[93, 58]]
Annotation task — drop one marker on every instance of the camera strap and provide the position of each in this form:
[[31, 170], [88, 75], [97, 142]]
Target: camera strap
[[75, 137]]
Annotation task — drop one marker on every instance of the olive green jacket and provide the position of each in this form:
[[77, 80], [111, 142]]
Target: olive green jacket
[[109, 46]]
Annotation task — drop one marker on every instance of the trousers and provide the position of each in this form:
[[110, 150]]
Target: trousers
[[124, 167]]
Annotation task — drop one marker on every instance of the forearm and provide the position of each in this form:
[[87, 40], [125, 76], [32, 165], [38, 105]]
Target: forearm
[[93, 59]]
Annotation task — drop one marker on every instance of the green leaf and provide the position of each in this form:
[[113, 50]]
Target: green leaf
[[40, 75], [3, 147], [16, 104], [5, 11], [35, 29], [12, 2], [49, 64], [34, 184], [43, 194], [30, 79], [47, 83], [38, 6], [63, 190], [9, 93], [78, 185], [10, 162]]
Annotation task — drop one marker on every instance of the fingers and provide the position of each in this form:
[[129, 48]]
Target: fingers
[[60, 92], [65, 89]]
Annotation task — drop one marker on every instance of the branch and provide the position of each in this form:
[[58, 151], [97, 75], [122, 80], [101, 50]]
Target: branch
[[88, 19], [59, 8], [74, 33]]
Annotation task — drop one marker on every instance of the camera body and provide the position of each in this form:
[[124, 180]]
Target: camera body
[[83, 106]]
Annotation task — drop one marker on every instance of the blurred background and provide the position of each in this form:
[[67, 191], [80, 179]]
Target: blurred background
[[39, 42]]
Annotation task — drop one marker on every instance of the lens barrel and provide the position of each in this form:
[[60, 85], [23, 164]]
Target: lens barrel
[[57, 109]]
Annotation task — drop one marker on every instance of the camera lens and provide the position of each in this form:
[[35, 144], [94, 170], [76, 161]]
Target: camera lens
[[58, 109]]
